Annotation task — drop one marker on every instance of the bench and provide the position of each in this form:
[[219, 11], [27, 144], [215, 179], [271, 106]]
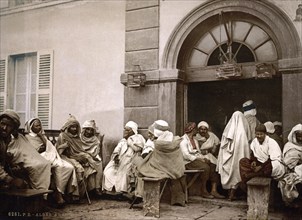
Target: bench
[[153, 192], [196, 174], [24, 200], [152, 195], [258, 193]]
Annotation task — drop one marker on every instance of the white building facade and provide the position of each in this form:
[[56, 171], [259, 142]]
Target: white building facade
[[61, 57]]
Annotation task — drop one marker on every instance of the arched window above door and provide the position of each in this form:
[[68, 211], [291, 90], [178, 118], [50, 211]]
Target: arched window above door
[[234, 40]]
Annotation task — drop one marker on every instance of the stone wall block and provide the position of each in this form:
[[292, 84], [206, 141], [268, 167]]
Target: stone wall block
[[291, 101], [141, 96], [143, 116], [142, 39], [147, 59], [142, 19], [134, 4]]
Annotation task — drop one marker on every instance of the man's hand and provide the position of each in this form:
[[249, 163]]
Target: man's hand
[[254, 167], [205, 160], [17, 183], [42, 149], [116, 160], [83, 160]]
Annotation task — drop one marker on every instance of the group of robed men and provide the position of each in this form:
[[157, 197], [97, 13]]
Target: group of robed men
[[245, 151]]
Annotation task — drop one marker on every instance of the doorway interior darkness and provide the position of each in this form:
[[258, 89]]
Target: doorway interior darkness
[[216, 101]]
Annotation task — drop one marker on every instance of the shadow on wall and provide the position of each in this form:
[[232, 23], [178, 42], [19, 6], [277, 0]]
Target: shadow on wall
[[108, 146]]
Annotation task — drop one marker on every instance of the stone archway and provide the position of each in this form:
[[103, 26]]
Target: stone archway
[[264, 14], [270, 15]]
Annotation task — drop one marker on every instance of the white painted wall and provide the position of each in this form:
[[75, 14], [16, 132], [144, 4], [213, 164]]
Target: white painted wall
[[88, 39]]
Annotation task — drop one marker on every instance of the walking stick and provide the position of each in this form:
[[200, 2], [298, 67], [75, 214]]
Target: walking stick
[[89, 202]]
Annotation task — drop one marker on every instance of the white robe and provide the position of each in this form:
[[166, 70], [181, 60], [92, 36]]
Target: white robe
[[269, 149], [208, 146], [234, 146], [190, 154], [63, 172], [292, 157], [119, 175]]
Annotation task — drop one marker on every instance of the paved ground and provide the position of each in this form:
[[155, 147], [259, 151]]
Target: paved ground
[[197, 208]]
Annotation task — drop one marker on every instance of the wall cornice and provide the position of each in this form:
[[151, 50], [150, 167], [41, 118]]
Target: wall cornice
[[32, 6], [158, 76]]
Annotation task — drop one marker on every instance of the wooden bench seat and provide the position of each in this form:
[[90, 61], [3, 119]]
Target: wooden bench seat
[[24, 200], [196, 174]]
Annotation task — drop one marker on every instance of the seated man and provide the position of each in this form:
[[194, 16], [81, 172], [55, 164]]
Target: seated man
[[91, 144], [208, 142], [118, 173], [265, 159], [292, 157], [278, 128], [70, 147], [270, 131], [20, 155], [164, 161], [149, 145], [63, 171], [195, 160]]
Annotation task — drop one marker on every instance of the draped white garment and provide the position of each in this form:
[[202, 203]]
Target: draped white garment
[[269, 149], [119, 175], [190, 154], [234, 146], [292, 157], [64, 172]]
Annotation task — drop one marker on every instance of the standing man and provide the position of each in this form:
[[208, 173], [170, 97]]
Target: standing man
[[234, 146], [250, 112]]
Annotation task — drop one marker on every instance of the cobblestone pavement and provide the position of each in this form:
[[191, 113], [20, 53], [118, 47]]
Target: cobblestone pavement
[[197, 208]]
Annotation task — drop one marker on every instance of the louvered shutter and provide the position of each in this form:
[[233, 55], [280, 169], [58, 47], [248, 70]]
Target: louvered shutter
[[3, 77], [44, 88]]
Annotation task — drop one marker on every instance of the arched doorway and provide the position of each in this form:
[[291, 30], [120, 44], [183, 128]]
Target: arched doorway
[[248, 37], [232, 37]]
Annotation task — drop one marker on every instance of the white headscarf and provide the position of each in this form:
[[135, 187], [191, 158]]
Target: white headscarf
[[204, 124], [249, 108], [132, 125], [292, 135], [160, 126], [270, 128]]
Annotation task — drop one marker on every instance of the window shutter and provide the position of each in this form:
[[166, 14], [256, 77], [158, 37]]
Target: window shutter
[[44, 88], [3, 78]]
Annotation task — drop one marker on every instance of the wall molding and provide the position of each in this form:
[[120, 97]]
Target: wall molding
[[32, 6]]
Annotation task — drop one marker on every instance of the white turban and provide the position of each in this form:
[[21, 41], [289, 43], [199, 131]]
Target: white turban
[[89, 124], [270, 128], [160, 126], [132, 125], [204, 124], [277, 123], [249, 108]]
